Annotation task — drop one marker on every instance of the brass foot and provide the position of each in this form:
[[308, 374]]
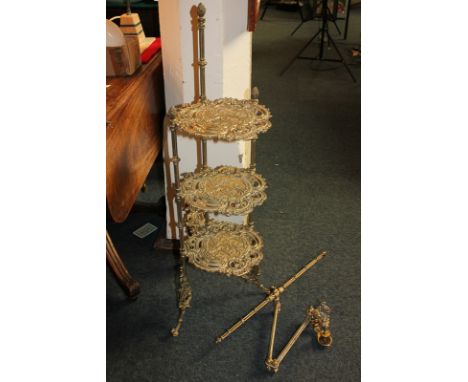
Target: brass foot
[[175, 330], [272, 365]]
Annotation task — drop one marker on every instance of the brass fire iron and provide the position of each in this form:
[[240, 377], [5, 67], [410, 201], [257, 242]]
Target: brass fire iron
[[317, 317], [273, 295]]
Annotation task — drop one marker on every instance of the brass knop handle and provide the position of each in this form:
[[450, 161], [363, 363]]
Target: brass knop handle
[[320, 322], [255, 94], [201, 10]]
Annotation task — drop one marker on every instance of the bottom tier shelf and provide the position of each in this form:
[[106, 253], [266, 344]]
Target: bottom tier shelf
[[227, 248]]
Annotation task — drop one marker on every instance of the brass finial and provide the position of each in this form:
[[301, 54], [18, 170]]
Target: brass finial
[[255, 93], [201, 10]]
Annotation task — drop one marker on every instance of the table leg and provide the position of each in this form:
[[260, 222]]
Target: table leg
[[130, 286]]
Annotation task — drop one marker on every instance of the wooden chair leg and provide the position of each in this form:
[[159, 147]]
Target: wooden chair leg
[[130, 286]]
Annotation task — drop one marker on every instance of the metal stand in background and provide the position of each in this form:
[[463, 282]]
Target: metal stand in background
[[305, 17], [308, 14], [269, 3], [265, 7], [324, 36], [348, 13]]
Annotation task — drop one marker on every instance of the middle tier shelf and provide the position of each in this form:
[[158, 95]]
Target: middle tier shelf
[[225, 190], [227, 248]]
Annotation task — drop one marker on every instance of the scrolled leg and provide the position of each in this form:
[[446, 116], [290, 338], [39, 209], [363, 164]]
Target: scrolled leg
[[184, 295], [130, 286], [184, 292]]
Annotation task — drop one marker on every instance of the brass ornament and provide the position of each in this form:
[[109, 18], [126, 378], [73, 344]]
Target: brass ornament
[[223, 247], [194, 220], [226, 190], [226, 119]]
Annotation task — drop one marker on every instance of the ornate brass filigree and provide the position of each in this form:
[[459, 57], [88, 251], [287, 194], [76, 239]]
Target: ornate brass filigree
[[227, 119], [226, 190], [223, 247], [194, 220]]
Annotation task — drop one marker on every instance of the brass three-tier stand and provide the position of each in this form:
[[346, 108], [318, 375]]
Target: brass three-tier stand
[[208, 244], [219, 246]]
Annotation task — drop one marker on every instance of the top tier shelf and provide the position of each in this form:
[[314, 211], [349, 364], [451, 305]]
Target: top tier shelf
[[226, 119]]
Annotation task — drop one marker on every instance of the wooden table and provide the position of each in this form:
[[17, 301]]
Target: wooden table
[[135, 111]]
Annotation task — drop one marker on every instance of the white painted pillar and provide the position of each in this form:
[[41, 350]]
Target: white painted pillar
[[228, 52]]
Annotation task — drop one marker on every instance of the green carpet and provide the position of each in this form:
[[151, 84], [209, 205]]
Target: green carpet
[[311, 160]]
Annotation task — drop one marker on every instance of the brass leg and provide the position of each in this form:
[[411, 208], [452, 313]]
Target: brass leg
[[184, 292], [184, 295], [130, 286]]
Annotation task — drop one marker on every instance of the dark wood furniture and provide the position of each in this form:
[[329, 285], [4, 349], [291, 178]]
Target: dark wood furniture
[[135, 112], [131, 286], [253, 15]]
